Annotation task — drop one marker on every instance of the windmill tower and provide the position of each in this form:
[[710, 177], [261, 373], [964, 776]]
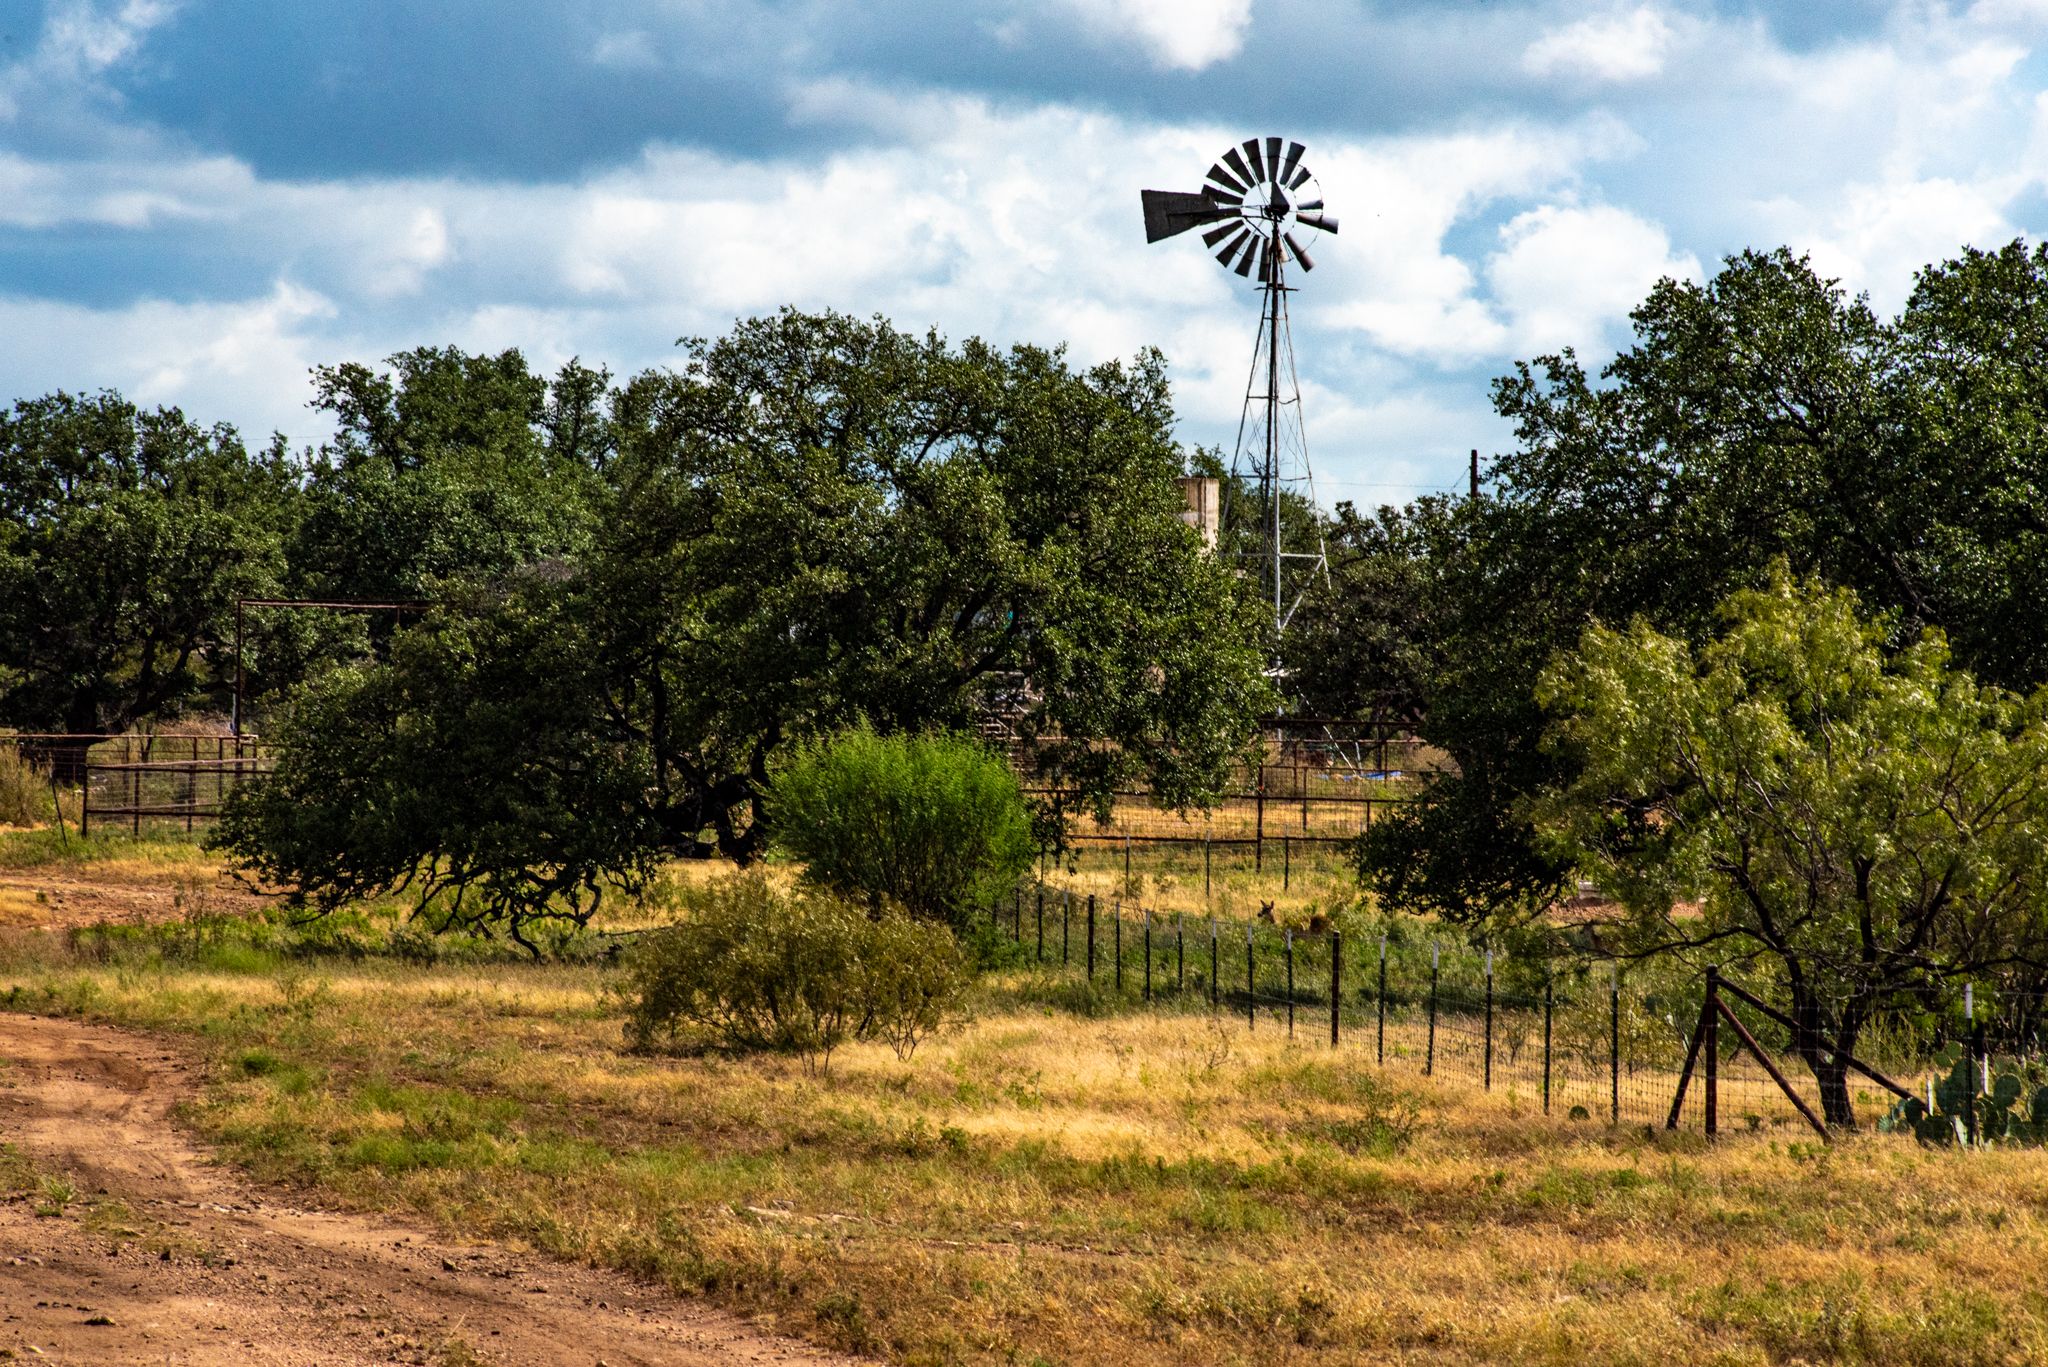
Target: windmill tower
[[1254, 199]]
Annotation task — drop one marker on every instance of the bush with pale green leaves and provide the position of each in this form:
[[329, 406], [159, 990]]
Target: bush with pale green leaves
[[936, 824]]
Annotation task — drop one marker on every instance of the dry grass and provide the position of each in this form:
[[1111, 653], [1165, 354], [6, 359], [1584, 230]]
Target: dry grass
[[1045, 1188]]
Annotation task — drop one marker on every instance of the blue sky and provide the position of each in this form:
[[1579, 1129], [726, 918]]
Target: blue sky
[[199, 199]]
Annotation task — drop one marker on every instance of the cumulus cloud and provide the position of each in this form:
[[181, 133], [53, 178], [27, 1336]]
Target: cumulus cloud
[[1567, 276], [1630, 45], [1186, 35]]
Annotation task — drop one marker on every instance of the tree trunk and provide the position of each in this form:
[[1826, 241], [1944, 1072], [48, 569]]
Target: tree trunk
[[1835, 1106]]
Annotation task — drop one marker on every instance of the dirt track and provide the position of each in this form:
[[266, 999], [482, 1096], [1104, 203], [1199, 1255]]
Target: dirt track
[[200, 1269]]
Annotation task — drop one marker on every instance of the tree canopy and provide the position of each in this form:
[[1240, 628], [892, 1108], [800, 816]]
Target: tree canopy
[[817, 521], [1857, 826], [125, 537], [1762, 413]]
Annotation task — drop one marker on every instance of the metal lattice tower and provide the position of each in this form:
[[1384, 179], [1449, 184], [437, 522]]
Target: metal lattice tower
[[1253, 199]]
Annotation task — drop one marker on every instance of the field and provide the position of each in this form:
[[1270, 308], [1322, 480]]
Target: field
[[1064, 1180]]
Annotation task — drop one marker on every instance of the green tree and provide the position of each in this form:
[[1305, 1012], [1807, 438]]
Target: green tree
[[1856, 825], [1761, 413], [446, 467], [125, 537], [934, 823], [818, 520]]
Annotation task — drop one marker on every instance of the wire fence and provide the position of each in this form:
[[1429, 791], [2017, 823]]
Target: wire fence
[[1592, 1047], [145, 781]]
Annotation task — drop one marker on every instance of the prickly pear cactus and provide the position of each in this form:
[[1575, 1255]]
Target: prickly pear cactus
[[2000, 1116]]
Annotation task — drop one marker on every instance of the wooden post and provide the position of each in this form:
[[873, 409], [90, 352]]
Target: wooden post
[[1180, 952], [1041, 925], [1118, 916], [1286, 861], [1205, 866]]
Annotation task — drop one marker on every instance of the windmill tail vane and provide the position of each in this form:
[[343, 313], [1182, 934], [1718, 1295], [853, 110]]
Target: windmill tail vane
[[1251, 204]]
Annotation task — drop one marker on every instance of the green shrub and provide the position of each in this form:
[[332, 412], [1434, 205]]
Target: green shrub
[[934, 823], [759, 967]]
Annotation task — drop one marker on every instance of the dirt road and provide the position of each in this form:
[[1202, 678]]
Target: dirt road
[[160, 1257]]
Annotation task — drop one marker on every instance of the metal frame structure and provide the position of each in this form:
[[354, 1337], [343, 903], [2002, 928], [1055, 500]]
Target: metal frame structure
[[1254, 196]]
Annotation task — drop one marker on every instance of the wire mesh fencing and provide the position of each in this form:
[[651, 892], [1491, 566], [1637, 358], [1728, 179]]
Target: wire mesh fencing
[[1586, 1048]]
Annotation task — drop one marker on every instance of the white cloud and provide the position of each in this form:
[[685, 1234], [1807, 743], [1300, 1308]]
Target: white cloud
[[1568, 276], [1182, 34], [1623, 46], [242, 360]]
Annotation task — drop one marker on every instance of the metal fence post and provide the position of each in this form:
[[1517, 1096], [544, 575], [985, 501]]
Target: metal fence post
[[1259, 827], [1429, 1058], [1251, 985], [1286, 861], [1180, 952], [1091, 937], [1215, 968], [1066, 921], [1205, 866], [1614, 1047], [1148, 956], [1336, 989], [1546, 1046], [1117, 915], [1488, 1083], [1710, 1027], [1041, 925], [1381, 1047], [1290, 982]]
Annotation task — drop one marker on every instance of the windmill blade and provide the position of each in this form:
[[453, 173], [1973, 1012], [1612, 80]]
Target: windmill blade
[[1273, 157], [1266, 259], [1168, 212], [1230, 248], [1294, 151], [1251, 154], [1236, 163], [1215, 235], [1328, 225], [1309, 206], [1244, 263], [1223, 177], [1307, 262], [1221, 198], [1299, 179]]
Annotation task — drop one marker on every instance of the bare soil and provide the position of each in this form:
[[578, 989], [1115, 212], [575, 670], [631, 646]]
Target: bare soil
[[160, 1256], [53, 899]]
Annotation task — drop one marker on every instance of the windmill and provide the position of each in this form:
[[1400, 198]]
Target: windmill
[[1254, 199]]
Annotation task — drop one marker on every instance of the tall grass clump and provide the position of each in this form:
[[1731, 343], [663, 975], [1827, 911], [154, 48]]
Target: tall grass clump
[[753, 966], [936, 824], [26, 798]]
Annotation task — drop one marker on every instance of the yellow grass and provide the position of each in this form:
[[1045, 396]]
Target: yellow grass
[[1043, 1188]]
